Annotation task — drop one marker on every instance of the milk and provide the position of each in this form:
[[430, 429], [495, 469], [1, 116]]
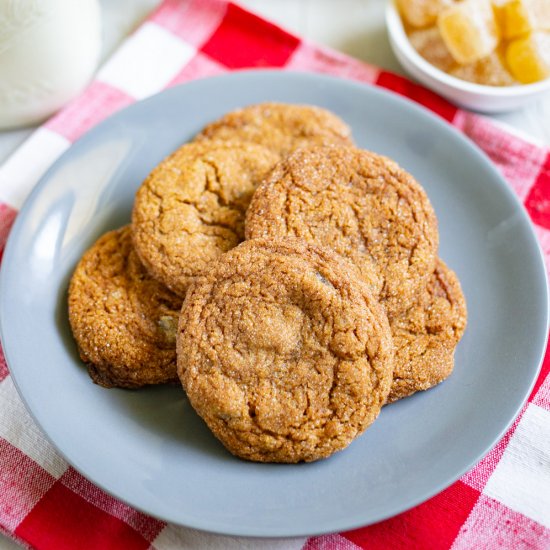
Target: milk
[[49, 50]]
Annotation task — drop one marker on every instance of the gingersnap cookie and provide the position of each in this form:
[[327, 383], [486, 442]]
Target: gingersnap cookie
[[426, 336], [123, 321], [362, 205], [284, 351], [191, 208], [281, 127]]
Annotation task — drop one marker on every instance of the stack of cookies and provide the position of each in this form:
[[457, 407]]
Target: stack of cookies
[[311, 286]]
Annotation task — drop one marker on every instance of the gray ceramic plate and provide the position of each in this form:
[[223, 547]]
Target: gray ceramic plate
[[149, 448]]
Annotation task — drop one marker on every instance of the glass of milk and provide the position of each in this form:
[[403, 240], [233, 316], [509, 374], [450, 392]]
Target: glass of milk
[[49, 50]]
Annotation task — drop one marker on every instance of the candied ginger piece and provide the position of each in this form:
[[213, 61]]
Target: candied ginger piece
[[421, 13], [498, 9], [489, 71], [469, 30], [528, 58], [519, 17], [429, 44]]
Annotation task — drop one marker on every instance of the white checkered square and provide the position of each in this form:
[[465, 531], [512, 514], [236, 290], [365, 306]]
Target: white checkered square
[[521, 479], [20, 173], [18, 428], [146, 62], [331, 542]]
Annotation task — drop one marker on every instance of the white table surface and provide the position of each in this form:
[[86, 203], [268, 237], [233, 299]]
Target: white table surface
[[355, 27]]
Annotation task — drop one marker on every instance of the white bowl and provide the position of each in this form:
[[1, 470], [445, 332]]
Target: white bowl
[[488, 99]]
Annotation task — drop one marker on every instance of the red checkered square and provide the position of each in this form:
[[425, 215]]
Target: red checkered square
[[22, 485], [543, 380], [543, 235], [308, 57], [193, 21], [519, 161], [95, 104], [200, 66], [538, 200], [438, 520], [493, 525], [3, 365], [7, 217], [148, 527], [405, 87], [245, 40], [63, 520]]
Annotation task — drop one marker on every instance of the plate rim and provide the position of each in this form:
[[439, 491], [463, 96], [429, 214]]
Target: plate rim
[[335, 526]]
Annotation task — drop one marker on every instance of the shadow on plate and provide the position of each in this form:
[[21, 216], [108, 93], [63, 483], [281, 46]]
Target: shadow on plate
[[163, 410]]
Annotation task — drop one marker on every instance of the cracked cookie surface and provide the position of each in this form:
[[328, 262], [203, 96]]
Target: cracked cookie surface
[[284, 351], [123, 321], [281, 127], [362, 205], [426, 336], [191, 208]]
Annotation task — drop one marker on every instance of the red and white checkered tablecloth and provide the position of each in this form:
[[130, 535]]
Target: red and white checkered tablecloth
[[503, 502]]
